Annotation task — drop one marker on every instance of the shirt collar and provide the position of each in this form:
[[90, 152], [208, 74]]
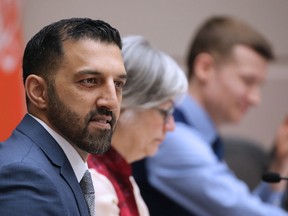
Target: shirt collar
[[197, 117], [78, 165]]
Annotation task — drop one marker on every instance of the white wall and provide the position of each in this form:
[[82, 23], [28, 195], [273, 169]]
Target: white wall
[[169, 25]]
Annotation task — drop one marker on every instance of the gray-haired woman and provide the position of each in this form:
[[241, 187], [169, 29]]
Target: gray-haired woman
[[154, 84]]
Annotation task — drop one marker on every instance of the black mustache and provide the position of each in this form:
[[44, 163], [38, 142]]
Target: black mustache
[[103, 111]]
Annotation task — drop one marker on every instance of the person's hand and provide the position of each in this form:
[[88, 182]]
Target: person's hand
[[281, 147], [279, 162]]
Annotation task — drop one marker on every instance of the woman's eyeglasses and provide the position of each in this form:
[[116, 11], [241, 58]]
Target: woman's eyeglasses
[[165, 113]]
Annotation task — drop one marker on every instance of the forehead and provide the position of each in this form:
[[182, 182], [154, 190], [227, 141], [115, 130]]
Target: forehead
[[245, 55], [242, 53], [87, 54], [247, 61]]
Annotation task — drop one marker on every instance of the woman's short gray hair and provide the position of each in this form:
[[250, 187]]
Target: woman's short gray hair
[[152, 76]]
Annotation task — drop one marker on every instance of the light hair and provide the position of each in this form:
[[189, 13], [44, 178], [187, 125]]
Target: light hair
[[152, 76]]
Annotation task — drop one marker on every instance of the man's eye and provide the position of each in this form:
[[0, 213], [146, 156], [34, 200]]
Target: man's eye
[[89, 81]]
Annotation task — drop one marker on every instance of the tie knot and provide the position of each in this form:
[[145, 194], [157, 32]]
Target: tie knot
[[86, 183]]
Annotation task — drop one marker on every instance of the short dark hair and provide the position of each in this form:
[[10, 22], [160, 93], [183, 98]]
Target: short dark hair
[[44, 52], [218, 35]]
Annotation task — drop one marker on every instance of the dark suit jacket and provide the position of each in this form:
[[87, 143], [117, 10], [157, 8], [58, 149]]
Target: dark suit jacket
[[36, 177], [157, 202]]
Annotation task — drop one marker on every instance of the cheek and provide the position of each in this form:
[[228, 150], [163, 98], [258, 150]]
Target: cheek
[[154, 133], [73, 97], [234, 88], [147, 142], [238, 91], [147, 128], [67, 98], [139, 138], [81, 106]]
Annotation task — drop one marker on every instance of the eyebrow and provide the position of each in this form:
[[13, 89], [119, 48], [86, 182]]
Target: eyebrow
[[90, 72]]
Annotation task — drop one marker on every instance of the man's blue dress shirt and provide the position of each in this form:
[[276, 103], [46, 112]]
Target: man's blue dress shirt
[[186, 170]]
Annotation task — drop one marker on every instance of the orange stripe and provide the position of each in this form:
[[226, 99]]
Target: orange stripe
[[12, 106]]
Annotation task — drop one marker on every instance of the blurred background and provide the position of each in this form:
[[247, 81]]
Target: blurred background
[[169, 25]]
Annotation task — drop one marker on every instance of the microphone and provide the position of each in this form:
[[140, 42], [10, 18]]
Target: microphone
[[272, 177]]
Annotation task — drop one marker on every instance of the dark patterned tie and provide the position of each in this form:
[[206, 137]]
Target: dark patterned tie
[[86, 185]]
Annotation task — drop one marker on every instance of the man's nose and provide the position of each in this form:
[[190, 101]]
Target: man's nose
[[108, 96]]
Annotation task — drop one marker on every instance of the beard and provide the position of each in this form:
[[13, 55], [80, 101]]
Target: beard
[[75, 129]]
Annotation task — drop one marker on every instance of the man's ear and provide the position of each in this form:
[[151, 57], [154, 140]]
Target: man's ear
[[204, 66], [36, 90]]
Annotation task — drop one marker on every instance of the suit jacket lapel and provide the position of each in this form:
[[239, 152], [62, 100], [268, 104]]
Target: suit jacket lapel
[[54, 152], [68, 174]]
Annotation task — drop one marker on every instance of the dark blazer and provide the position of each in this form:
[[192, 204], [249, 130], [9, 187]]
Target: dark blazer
[[36, 177], [157, 202]]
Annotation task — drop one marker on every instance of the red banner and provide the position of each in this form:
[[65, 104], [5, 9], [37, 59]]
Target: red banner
[[12, 95]]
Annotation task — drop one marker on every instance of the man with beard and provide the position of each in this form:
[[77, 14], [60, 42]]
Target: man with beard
[[73, 74]]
